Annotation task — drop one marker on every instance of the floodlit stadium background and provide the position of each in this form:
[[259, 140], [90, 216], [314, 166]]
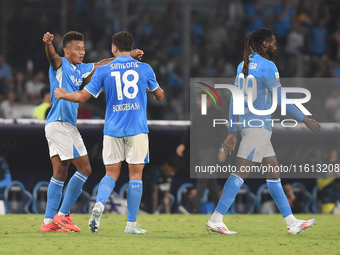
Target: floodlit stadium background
[[180, 39]]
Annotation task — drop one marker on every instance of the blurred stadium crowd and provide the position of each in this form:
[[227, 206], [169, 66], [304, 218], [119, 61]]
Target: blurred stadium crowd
[[308, 39]]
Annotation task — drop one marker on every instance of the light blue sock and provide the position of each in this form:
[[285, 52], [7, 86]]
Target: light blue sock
[[54, 194], [134, 196], [74, 189], [230, 190], [105, 189], [277, 193]]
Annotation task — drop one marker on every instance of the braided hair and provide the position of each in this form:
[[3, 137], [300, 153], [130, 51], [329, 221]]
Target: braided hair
[[253, 43]]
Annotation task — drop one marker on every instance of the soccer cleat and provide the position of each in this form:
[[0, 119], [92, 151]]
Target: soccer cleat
[[300, 225], [52, 228], [137, 230], [219, 227], [96, 215], [66, 222]]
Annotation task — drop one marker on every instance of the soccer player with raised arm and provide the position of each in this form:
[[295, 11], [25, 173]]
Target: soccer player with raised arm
[[125, 82], [255, 146], [64, 141]]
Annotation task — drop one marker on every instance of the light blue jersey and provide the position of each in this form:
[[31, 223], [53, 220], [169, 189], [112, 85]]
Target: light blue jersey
[[262, 78], [69, 77], [124, 81]]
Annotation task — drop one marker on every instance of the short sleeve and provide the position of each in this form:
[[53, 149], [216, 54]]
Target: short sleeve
[[86, 69], [96, 85], [271, 76], [151, 77]]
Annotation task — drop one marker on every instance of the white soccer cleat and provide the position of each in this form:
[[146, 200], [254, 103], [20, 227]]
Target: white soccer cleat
[[137, 230], [219, 227], [96, 215], [300, 225]]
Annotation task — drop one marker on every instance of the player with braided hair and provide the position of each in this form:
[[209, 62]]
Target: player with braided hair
[[255, 146]]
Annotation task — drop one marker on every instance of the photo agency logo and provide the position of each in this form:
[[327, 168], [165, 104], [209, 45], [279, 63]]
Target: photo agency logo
[[204, 97], [245, 94]]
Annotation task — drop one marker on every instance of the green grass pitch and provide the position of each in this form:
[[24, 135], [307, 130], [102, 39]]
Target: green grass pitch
[[171, 234]]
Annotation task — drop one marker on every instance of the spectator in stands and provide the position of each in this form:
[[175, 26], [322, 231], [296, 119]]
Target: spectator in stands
[[9, 108], [18, 85], [5, 77], [158, 181], [256, 15], [284, 13], [319, 38], [330, 185], [294, 48], [304, 15], [41, 109], [332, 105], [33, 87]]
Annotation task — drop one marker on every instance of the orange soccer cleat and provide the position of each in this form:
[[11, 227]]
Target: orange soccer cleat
[[66, 222], [52, 228]]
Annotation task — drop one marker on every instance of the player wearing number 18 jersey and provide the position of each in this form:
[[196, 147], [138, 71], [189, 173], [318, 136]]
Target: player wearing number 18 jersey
[[125, 82], [259, 75]]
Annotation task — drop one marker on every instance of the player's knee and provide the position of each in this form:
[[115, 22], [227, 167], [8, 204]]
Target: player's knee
[[86, 170], [60, 175]]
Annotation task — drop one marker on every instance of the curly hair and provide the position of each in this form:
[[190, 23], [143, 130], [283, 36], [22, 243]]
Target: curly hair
[[72, 36], [253, 43]]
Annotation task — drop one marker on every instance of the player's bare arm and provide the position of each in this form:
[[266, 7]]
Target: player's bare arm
[[53, 57], [313, 125], [136, 54], [158, 93], [230, 143], [76, 97]]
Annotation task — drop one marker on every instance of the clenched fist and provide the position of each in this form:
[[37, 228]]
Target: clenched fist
[[48, 38]]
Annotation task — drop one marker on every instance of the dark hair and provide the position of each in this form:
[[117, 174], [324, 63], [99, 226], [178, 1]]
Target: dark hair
[[72, 36], [253, 43], [44, 91], [123, 40]]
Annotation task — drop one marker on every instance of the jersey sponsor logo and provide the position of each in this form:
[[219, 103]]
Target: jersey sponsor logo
[[252, 66], [76, 81]]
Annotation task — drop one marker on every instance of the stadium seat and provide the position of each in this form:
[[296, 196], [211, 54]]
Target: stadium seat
[[315, 201], [302, 195], [17, 198], [40, 197], [183, 188], [245, 201], [82, 203], [262, 195]]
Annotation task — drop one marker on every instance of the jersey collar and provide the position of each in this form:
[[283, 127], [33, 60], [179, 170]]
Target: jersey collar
[[124, 57]]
